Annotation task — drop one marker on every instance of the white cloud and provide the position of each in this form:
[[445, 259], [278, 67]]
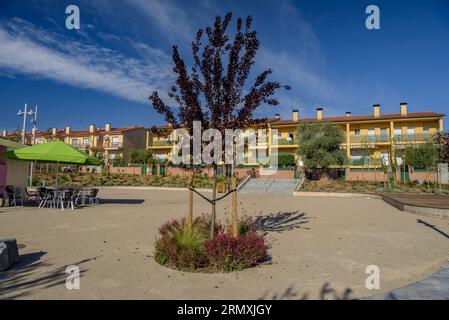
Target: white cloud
[[296, 73], [27, 49], [170, 18]]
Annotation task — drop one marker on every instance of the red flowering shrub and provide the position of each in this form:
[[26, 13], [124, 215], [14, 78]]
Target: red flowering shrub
[[183, 248], [228, 253]]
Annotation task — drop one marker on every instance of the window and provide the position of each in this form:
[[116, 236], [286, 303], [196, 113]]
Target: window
[[114, 142], [75, 143], [425, 130], [411, 131], [397, 132], [290, 136], [357, 132], [371, 133], [86, 142], [383, 134]]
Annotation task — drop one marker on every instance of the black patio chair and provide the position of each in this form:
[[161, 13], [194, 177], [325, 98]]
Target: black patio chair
[[13, 196], [46, 197], [67, 198], [91, 197]]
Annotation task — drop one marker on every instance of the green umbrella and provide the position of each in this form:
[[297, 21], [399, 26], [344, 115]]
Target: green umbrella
[[52, 152]]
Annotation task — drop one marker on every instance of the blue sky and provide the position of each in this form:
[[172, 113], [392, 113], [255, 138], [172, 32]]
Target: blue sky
[[105, 71]]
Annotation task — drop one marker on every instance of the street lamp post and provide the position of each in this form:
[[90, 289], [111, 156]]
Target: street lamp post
[[32, 114]]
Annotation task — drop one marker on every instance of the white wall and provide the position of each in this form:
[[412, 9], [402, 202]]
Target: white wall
[[17, 173]]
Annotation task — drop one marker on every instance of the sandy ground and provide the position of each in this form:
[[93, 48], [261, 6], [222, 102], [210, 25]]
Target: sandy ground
[[318, 243]]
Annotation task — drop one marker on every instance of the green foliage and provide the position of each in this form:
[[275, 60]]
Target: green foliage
[[286, 160], [319, 145], [118, 161], [420, 156], [442, 141], [141, 156]]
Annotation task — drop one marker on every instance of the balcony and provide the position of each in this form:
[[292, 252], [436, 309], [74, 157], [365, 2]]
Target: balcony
[[368, 139], [367, 161], [161, 143], [82, 147], [112, 145], [403, 138], [286, 142]]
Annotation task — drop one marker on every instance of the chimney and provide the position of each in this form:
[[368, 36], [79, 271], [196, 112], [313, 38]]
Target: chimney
[[295, 115], [53, 131], [319, 113], [5, 133], [107, 127], [348, 113], [277, 116], [91, 128], [376, 110], [403, 108], [68, 130]]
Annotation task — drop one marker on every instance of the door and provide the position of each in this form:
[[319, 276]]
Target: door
[[404, 173], [371, 134], [383, 134]]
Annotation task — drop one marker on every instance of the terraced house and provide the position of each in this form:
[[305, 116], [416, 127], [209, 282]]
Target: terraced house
[[370, 140], [107, 142]]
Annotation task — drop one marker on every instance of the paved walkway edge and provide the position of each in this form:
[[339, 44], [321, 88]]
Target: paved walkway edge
[[336, 194], [435, 287]]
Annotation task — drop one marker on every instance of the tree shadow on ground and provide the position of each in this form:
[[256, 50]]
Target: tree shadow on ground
[[282, 221], [121, 201], [431, 226], [326, 292], [24, 277]]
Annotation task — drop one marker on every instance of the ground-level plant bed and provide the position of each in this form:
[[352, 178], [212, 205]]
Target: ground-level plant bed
[[191, 249], [340, 185], [79, 179]]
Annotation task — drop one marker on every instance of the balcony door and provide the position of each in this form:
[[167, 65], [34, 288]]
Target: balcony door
[[384, 134], [114, 142], [411, 133], [371, 134]]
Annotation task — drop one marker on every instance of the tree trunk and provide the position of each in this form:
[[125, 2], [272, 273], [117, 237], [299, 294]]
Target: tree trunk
[[214, 196]]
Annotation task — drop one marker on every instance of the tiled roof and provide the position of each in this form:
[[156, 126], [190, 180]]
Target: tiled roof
[[390, 116]]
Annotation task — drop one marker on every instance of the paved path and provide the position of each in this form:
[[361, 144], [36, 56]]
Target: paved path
[[272, 186], [435, 287]]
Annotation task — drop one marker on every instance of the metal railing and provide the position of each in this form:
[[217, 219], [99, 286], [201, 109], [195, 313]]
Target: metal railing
[[112, 145], [369, 138], [412, 137], [161, 143], [284, 141]]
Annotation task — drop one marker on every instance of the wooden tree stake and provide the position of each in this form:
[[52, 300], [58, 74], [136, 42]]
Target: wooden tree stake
[[190, 212], [234, 207]]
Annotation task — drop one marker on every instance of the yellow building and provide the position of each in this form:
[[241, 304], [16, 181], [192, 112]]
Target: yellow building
[[108, 141], [376, 136]]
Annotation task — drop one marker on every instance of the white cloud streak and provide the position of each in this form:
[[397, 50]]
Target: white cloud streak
[[27, 49]]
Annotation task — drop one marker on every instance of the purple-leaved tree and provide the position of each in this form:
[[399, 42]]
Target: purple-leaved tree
[[214, 90]]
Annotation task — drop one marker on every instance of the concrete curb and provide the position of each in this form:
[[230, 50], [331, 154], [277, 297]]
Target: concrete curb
[[149, 188], [336, 194], [425, 211]]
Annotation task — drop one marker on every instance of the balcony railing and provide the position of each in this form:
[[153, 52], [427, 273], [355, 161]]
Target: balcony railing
[[81, 146], [369, 138], [161, 143], [284, 141], [412, 137], [368, 161], [112, 145]]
